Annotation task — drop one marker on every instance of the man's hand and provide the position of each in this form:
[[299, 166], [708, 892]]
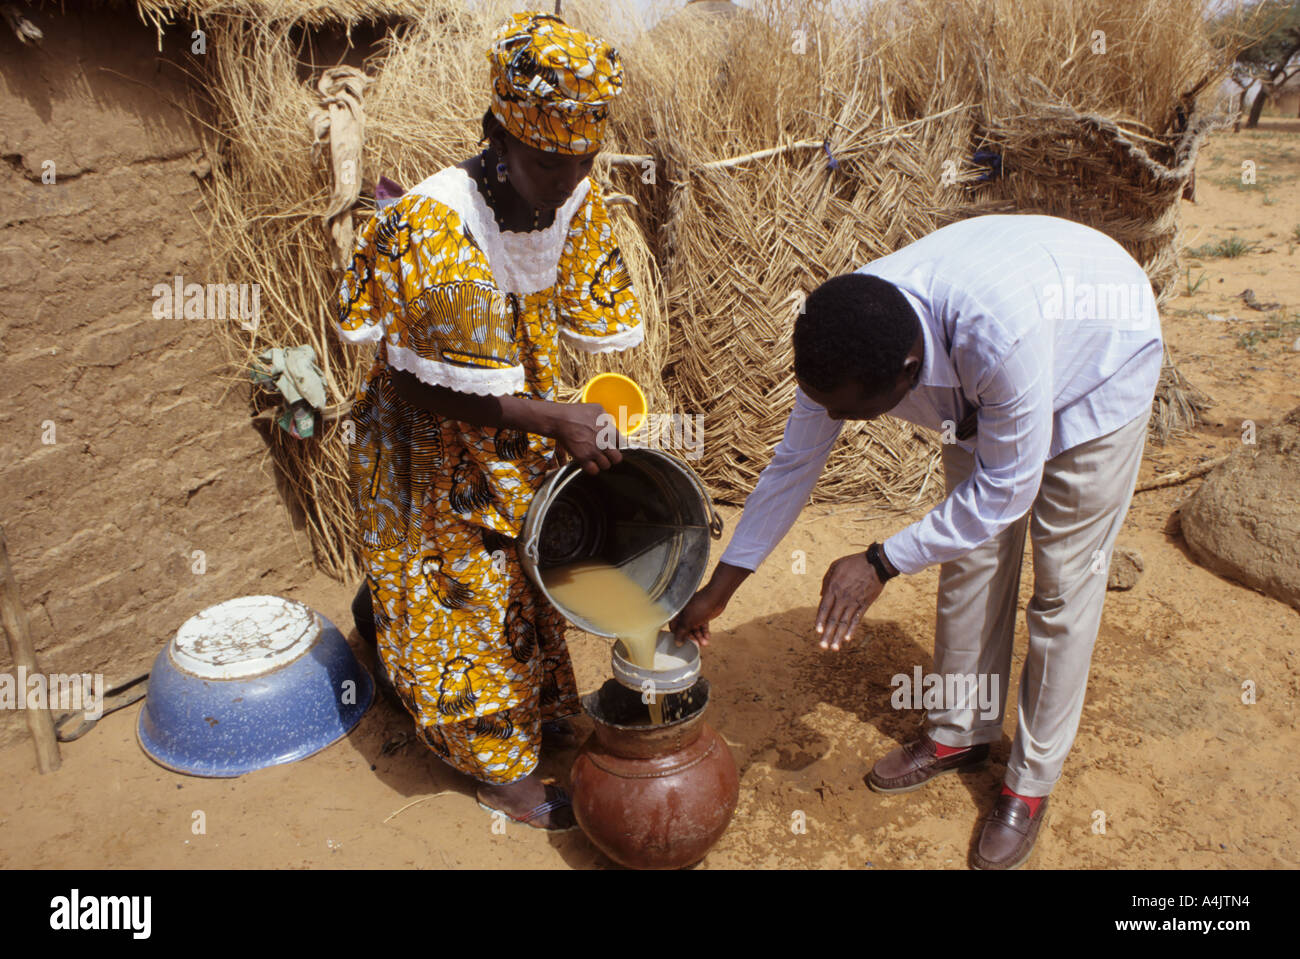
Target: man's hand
[[693, 621], [848, 588]]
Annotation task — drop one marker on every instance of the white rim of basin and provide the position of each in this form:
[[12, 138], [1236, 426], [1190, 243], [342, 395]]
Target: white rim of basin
[[676, 667], [244, 637]]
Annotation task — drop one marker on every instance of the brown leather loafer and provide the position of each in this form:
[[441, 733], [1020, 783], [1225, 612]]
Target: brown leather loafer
[[914, 764], [1008, 835]]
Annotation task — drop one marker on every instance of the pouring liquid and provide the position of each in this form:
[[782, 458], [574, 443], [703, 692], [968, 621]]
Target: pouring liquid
[[617, 604]]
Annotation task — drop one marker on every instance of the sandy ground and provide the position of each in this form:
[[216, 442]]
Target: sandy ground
[[1184, 773]]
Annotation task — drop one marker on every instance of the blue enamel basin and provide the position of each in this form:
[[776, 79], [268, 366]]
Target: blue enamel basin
[[253, 682]]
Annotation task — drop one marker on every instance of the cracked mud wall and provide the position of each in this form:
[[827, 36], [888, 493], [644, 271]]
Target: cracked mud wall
[[152, 456]]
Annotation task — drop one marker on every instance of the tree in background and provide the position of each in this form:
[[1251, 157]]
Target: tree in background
[[1266, 38]]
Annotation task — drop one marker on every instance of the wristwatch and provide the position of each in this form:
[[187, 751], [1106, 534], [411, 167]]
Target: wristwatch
[[876, 557]]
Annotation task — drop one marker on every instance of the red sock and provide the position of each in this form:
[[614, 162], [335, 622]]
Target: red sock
[[942, 752], [1031, 801]]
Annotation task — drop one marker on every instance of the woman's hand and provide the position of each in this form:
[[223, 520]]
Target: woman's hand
[[583, 431], [577, 428], [849, 587]]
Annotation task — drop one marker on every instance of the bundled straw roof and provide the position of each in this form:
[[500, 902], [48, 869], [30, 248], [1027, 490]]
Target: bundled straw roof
[[741, 234], [802, 146], [764, 152]]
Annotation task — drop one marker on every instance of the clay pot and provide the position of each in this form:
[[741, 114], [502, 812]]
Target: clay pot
[[653, 797]]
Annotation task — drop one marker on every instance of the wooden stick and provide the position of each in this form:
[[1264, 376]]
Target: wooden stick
[[1176, 477], [890, 133], [14, 616], [760, 154], [629, 159]]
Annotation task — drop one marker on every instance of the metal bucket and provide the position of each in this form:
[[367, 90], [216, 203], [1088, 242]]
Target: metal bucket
[[649, 515]]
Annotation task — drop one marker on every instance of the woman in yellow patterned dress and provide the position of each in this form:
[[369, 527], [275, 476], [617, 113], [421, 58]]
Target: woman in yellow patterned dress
[[468, 282]]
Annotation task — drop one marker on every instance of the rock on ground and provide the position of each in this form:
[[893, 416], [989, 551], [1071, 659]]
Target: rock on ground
[[1125, 568], [1244, 521]]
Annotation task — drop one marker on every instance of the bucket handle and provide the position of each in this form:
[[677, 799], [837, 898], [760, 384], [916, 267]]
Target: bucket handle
[[530, 545], [715, 521]]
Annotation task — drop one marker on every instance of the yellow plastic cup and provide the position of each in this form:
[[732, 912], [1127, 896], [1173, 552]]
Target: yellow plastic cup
[[621, 398]]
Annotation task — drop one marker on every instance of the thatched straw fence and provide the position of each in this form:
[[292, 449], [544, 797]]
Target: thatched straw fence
[[761, 154]]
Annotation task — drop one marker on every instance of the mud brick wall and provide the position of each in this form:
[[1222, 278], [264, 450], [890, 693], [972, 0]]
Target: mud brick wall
[[152, 456]]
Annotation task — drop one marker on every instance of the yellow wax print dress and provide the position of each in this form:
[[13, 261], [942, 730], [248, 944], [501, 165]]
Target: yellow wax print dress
[[475, 651]]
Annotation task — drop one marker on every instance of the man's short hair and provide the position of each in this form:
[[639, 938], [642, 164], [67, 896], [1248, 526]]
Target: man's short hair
[[854, 327]]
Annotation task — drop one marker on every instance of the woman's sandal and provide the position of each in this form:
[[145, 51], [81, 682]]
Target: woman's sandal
[[558, 799]]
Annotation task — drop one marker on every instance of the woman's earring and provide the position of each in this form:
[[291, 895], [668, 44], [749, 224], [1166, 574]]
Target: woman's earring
[[501, 173]]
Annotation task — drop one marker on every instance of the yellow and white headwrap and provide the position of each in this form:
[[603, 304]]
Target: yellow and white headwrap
[[551, 84]]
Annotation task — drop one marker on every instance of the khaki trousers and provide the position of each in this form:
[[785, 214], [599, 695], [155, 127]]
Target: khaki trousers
[[1073, 524]]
